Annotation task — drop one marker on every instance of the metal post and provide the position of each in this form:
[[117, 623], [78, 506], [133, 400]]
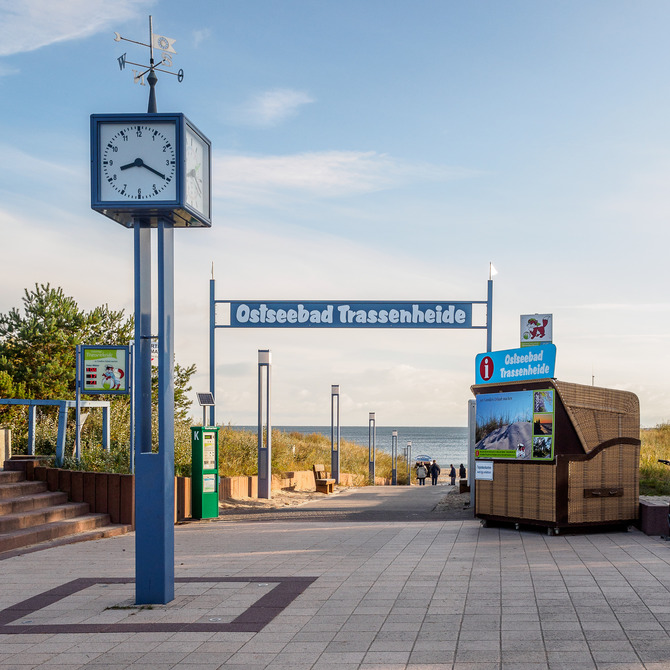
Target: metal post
[[264, 445], [489, 317], [32, 413], [409, 466], [77, 386], [472, 424], [154, 471], [335, 436], [372, 435], [212, 344], [394, 458], [131, 385]]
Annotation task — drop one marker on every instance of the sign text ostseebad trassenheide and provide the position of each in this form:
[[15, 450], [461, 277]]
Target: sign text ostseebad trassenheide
[[351, 314]]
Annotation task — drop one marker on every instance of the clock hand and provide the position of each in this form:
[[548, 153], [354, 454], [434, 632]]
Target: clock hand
[[162, 176], [138, 162]]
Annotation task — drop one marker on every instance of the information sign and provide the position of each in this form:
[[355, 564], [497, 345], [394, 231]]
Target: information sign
[[515, 425], [536, 329], [512, 365], [105, 369], [484, 470]]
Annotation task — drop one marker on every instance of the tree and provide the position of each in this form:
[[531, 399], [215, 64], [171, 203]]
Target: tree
[[37, 348], [37, 356]]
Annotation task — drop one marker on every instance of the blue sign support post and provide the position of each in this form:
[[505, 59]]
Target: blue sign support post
[[335, 436]]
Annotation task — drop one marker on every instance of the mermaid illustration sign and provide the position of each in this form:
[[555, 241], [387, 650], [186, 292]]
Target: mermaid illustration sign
[[515, 425], [105, 369]]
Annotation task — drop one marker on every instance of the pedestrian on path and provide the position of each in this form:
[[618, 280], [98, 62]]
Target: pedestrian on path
[[434, 472], [452, 474], [461, 472], [421, 474]]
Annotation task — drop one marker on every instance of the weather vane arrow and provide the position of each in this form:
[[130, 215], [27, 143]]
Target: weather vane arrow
[[161, 43]]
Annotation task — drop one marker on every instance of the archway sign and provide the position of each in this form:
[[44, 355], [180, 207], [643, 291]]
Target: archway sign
[[441, 314]]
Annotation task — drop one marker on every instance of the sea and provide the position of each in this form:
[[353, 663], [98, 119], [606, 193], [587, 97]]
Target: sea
[[445, 445]]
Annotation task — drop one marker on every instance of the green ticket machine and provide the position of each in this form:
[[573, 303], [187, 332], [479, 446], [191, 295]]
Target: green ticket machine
[[204, 472]]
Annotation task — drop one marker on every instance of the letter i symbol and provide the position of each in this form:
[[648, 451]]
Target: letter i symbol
[[486, 368]]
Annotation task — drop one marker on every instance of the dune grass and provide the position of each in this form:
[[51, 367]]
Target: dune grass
[[293, 452], [655, 476]]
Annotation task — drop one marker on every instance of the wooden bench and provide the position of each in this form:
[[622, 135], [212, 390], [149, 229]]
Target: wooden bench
[[323, 484]]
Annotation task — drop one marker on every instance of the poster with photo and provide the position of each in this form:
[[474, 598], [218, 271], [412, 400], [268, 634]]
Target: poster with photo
[[516, 425]]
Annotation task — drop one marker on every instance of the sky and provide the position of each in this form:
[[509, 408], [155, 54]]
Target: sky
[[378, 150]]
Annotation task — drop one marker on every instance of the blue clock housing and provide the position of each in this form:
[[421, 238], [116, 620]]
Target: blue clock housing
[[171, 183]]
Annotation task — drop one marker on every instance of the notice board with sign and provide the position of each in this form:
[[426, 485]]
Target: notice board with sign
[[565, 454]]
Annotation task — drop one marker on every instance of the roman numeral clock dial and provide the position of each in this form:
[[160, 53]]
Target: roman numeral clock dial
[[138, 162]]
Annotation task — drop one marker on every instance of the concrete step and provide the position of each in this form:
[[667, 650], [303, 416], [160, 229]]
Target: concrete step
[[19, 489], [50, 531], [38, 517], [32, 502], [11, 476], [101, 533]]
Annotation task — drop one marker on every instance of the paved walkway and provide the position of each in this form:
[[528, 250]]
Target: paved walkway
[[341, 594]]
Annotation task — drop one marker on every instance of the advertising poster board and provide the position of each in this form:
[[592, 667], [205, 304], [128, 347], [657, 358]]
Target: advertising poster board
[[105, 369], [536, 329], [517, 425]]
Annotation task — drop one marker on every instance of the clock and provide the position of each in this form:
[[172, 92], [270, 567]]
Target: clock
[[150, 168], [138, 161], [197, 171]]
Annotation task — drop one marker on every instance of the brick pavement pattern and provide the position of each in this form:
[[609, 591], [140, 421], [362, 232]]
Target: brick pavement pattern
[[425, 593]]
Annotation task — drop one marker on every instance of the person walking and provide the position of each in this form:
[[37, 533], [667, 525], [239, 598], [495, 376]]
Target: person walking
[[452, 474], [421, 474], [461, 472], [434, 472]]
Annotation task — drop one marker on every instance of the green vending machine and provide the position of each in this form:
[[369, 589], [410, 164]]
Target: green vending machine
[[204, 472]]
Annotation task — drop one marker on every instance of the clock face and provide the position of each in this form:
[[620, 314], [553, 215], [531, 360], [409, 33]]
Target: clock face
[[197, 173], [138, 162]]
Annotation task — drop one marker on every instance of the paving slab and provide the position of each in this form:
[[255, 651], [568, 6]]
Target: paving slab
[[370, 579]]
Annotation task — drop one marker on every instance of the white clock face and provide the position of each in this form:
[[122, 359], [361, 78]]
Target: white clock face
[[138, 162], [197, 173]]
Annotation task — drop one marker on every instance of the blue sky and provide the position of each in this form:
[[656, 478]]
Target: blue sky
[[367, 150]]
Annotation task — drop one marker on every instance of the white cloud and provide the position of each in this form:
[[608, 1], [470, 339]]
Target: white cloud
[[28, 25], [272, 107], [319, 174], [200, 36]]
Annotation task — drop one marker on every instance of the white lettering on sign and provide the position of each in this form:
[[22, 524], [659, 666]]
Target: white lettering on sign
[[346, 315]]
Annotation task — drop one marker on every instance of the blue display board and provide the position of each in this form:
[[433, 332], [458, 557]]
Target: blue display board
[[513, 365], [349, 314]]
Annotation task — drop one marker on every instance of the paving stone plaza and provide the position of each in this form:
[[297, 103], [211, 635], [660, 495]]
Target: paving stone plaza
[[370, 578]]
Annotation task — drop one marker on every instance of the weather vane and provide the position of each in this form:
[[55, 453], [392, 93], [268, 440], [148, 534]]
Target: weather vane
[[160, 43]]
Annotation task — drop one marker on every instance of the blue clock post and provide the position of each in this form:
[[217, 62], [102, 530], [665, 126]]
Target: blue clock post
[[152, 171]]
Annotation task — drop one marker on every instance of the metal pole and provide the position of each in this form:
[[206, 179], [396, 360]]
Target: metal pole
[[212, 344], [489, 316], [131, 386], [335, 437], [409, 467], [264, 445], [472, 424], [77, 383], [372, 430], [394, 458]]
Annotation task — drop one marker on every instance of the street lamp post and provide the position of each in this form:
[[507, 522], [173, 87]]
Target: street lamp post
[[264, 441], [335, 432], [372, 439], [394, 458], [409, 467]]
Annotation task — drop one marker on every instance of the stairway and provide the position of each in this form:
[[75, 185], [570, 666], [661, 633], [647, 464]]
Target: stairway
[[30, 515]]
